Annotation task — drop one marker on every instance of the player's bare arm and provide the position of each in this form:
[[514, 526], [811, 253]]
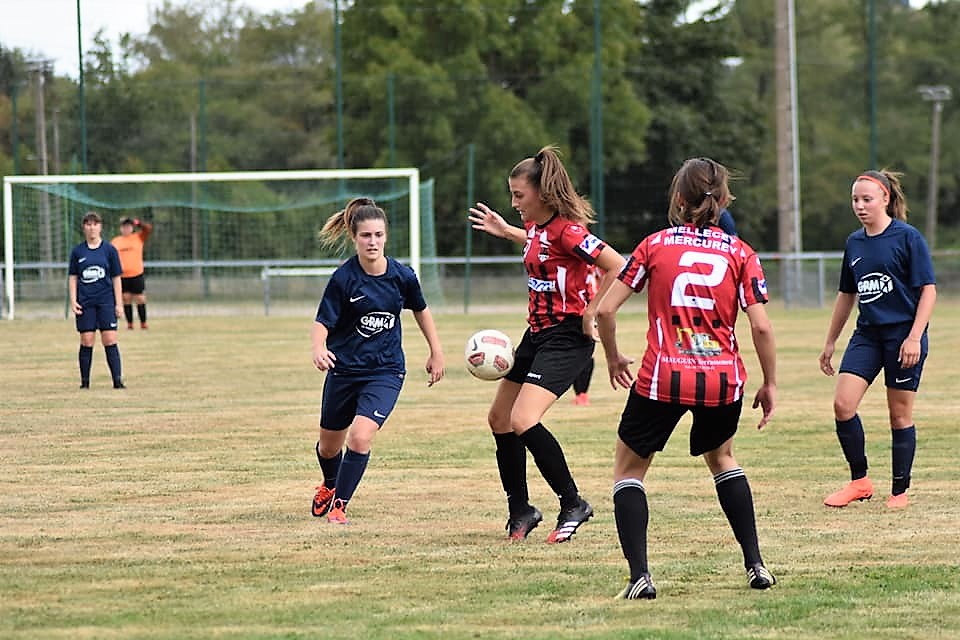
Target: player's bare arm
[[618, 364], [910, 349], [841, 312], [764, 342], [483, 218], [428, 328], [323, 359], [611, 263]]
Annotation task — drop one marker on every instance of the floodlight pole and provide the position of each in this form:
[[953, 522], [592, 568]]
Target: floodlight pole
[[937, 94], [83, 102]]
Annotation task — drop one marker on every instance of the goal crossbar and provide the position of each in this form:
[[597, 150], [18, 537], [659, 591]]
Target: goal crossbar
[[412, 175]]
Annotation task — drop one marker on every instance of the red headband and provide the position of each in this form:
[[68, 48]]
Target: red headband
[[875, 180]]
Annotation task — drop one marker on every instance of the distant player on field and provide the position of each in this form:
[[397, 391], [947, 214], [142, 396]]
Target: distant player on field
[[133, 235], [558, 343], [887, 271], [94, 284], [357, 342], [697, 278]]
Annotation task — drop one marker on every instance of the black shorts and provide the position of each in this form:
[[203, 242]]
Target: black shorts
[[134, 285], [553, 357], [646, 425]]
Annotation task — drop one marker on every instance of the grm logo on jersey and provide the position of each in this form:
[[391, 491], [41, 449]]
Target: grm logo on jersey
[[93, 273], [541, 286], [874, 286], [375, 322]]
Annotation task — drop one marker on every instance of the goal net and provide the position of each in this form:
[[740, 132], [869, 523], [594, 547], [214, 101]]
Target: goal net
[[220, 241]]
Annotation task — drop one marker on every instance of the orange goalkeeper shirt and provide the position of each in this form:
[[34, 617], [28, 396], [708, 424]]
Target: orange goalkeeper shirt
[[130, 249]]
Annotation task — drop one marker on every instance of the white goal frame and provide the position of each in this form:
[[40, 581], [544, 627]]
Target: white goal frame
[[410, 173]]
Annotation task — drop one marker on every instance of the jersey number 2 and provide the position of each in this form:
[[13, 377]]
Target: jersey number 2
[[679, 297]]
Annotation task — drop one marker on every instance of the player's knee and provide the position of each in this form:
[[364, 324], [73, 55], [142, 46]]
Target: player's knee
[[844, 408], [499, 421]]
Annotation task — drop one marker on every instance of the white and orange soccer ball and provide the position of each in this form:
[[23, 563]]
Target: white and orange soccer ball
[[489, 354]]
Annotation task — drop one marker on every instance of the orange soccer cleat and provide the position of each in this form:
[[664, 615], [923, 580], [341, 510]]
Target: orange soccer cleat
[[860, 489], [898, 501]]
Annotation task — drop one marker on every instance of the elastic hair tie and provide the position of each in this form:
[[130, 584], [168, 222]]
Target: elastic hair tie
[[875, 181], [539, 157], [707, 193]]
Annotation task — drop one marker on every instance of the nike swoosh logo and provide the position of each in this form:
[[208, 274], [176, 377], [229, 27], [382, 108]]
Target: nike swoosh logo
[[899, 381], [81, 260], [854, 262], [352, 299], [114, 324], [377, 414]]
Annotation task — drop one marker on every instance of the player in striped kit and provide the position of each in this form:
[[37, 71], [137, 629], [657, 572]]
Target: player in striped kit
[[697, 278], [558, 343]]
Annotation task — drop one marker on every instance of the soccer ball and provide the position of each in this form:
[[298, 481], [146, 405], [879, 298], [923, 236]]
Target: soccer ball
[[489, 354]]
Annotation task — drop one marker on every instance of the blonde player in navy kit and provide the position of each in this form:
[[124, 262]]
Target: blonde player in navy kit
[[888, 273], [558, 342], [357, 342]]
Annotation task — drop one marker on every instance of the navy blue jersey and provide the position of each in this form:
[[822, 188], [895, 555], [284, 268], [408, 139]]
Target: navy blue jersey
[[886, 271], [727, 223], [95, 270], [362, 315]]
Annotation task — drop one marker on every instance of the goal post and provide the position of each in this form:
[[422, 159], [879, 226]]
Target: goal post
[[214, 232]]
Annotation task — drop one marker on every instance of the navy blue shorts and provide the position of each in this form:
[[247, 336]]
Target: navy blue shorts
[[552, 358], [646, 425], [874, 348], [369, 395], [97, 316]]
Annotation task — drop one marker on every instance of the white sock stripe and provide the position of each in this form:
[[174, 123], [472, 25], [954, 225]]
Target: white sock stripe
[[729, 474], [627, 483]]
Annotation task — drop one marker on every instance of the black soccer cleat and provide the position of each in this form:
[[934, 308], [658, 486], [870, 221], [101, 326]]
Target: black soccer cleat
[[569, 521], [640, 589], [519, 527], [759, 577], [119, 385]]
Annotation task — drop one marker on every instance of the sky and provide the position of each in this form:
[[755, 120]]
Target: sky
[[48, 28]]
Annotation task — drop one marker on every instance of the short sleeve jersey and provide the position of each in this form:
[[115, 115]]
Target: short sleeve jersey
[[130, 248], [556, 256], [696, 281], [886, 272], [362, 315], [95, 270]]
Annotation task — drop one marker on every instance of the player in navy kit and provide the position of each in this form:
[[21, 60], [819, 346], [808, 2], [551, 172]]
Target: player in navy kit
[[697, 278], [95, 297], [558, 343], [887, 271], [357, 342]]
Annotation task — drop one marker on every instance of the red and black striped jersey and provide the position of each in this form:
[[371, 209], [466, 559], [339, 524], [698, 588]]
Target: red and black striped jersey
[[696, 280], [556, 257]]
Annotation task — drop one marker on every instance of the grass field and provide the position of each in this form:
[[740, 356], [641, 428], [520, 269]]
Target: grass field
[[179, 508]]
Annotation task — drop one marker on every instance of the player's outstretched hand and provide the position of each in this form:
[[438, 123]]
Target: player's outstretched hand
[[483, 218], [766, 399], [619, 370]]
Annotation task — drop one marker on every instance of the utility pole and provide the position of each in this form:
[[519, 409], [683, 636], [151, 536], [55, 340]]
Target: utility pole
[[39, 69], [788, 180], [937, 94]]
